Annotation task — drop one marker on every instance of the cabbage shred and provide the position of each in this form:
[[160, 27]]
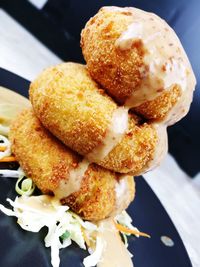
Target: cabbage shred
[[64, 226]]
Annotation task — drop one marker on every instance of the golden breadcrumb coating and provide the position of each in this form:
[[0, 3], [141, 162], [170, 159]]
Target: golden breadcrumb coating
[[117, 71], [48, 162], [136, 150], [70, 105], [159, 108], [96, 192], [121, 68]]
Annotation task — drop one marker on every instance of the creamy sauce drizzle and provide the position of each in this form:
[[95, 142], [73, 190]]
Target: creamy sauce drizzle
[[122, 195], [73, 184], [180, 109], [115, 254], [165, 61], [133, 32], [43, 203], [115, 132]]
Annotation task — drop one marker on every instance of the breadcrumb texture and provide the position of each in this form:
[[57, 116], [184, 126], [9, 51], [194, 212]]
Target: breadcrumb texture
[[97, 196], [47, 161], [158, 109], [70, 105], [118, 70], [135, 151]]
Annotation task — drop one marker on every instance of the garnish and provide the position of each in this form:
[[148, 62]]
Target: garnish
[[126, 230], [2, 148], [4, 142], [24, 186], [64, 226], [8, 159]]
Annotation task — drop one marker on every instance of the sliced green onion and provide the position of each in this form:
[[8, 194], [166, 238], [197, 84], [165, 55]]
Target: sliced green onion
[[24, 186], [65, 235]]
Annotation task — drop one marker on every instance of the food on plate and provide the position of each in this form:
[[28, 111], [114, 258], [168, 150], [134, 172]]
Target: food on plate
[[79, 146], [138, 59], [72, 106], [88, 189], [159, 108]]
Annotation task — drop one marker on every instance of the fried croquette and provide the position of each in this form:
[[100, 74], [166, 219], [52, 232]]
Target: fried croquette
[[52, 166], [138, 59], [136, 151], [70, 105], [158, 109]]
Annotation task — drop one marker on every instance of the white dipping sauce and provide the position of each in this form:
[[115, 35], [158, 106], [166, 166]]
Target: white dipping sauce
[[115, 254], [115, 132], [73, 183], [165, 61]]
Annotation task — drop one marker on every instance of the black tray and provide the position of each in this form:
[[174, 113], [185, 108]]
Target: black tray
[[19, 248]]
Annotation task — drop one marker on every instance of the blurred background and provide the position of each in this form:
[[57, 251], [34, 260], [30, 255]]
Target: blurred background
[[37, 33]]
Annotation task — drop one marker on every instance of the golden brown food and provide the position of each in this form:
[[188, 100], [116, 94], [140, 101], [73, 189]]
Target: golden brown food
[[69, 104], [159, 108], [136, 151], [138, 60], [55, 169]]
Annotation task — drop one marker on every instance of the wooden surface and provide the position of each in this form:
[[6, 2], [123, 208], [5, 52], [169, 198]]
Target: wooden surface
[[22, 54]]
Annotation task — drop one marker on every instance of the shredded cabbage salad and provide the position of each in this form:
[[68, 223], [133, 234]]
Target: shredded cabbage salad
[[4, 143], [64, 226], [126, 220]]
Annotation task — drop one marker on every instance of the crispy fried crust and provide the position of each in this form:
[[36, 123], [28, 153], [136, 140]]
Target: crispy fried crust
[[47, 161], [118, 70], [71, 106], [136, 150], [159, 108], [40, 154], [97, 194]]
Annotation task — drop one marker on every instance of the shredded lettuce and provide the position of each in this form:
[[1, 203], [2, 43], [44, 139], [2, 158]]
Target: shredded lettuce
[[64, 226], [6, 143], [34, 213], [124, 219], [95, 256], [9, 173], [12, 174]]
